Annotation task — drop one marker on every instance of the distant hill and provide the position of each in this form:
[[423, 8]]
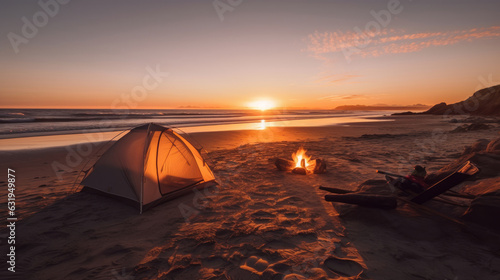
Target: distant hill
[[484, 102], [381, 107]]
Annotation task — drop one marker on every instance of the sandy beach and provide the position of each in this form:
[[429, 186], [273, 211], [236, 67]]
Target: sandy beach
[[158, 140], [259, 223]]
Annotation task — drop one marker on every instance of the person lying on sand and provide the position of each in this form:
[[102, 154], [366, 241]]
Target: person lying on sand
[[413, 183]]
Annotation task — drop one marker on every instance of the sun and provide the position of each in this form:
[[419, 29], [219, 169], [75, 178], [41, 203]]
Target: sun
[[262, 104]]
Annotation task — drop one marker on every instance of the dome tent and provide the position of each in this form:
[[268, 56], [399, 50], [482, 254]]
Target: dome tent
[[147, 166]]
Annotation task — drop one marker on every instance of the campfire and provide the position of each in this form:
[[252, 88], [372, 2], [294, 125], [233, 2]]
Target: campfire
[[301, 164]]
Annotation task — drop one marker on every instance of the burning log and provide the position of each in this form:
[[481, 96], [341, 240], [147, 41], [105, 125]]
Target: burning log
[[301, 169], [301, 164]]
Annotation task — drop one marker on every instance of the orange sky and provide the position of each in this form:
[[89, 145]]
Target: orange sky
[[167, 54]]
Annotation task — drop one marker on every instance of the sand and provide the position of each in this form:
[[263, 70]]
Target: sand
[[259, 223]]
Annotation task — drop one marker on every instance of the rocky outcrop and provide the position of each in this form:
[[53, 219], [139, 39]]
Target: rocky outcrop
[[484, 102]]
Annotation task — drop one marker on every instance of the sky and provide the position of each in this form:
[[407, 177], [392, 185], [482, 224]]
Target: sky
[[230, 53]]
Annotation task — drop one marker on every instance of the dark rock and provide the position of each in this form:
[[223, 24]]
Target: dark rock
[[474, 120], [484, 102], [408, 113], [479, 146], [472, 127], [437, 109], [377, 136], [486, 162]]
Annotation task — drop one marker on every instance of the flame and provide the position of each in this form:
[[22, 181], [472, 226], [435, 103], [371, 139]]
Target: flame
[[300, 158]]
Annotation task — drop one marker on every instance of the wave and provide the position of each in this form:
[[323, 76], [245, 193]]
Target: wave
[[108, 117], [20, 121]]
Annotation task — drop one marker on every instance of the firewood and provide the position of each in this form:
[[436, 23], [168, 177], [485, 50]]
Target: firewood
[[283, 164], [320, 166], [299, 170]]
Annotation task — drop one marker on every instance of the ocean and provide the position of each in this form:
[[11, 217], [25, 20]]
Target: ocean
[[22, 123]]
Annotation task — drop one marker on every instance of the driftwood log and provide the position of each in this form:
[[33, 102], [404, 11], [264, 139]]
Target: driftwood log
[[335, 190], [361, 199], [376, 201]]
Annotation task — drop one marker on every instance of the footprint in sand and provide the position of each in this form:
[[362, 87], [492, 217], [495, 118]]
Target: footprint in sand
[[281, 267], [345, 267], [291, 215], [234, 206], [225, 198], [307, 237], [214, 262], [224, 233], [278, 244], [290, 200], [255, 264], [262, 216], [269, 188], [260, 205]]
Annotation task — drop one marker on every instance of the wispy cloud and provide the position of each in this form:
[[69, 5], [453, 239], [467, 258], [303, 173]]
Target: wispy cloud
[[390, 41], [335, 79], [344, 97]]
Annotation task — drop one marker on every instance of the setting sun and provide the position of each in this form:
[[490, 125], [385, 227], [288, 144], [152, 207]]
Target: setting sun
[[263, 104]]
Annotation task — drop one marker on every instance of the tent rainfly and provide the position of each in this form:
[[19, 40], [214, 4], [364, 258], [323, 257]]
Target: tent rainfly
[[149, 165]]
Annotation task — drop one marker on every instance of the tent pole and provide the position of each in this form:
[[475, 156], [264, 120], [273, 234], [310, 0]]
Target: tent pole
[[146, 146]]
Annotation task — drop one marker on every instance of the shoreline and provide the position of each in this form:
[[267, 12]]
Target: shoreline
[[10, 130], [36, 140]]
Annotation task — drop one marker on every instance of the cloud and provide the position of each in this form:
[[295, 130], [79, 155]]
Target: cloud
[[390, 41], [343, 97], [334, 79]]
